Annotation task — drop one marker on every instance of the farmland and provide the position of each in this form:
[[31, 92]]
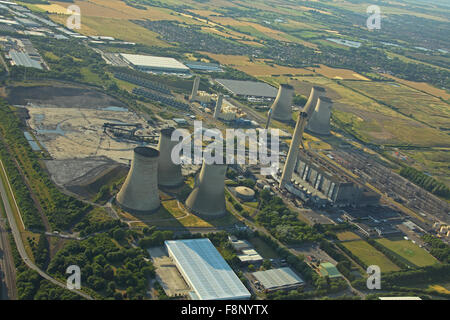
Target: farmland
[[410, 102], [370, 256], [347, 236], [256, 67]]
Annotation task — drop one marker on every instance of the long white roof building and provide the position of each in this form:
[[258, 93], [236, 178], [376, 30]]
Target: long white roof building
[[205, 270]]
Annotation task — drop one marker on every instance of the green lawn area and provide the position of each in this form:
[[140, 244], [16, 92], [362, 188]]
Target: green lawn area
[[370, 256], [263, 249], [409, 251]]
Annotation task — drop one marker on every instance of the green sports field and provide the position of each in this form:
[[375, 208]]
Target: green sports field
[[409, 251]]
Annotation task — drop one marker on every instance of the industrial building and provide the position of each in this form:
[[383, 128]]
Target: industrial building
[[205, 270], [208, 196], [313, 174], [246, 253], [154, 64], [139, 193], [169, 173], [203, 66], [282, 107], [250, 256], [278, 279], [24, 60], [248, 89]]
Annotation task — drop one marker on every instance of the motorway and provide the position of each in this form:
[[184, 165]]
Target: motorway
[[19, 242]]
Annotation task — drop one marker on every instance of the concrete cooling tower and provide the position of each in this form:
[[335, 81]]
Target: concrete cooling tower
[[218, 108], [291, 160], [316, 93], [320, 119], [208, 196], [282, 107], [139, 193], [169, 173]]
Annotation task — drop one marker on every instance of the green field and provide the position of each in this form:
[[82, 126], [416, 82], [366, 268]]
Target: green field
[[418, 105], [263, 249], [370, 256], [409, 251]]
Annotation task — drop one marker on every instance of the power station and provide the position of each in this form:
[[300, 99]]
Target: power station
[[282, 107], [139, 193], [169, 173], [305, 114], [320, 119], [208, 196]]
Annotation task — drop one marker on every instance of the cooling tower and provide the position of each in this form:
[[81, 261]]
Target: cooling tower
[[169, 173], [195, 88], [208, 196], [218, 106], [282, 107], [139, 193], [316, 93], [302, 120], [320, 119]]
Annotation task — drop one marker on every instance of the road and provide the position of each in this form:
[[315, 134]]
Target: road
[[19, 242]]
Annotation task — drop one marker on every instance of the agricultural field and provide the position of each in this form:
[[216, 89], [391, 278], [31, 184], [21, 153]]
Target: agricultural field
[[370, 256], [422, 86], [434, 162], [409, 251], [338, 74], [116, 9], [347, 236], [416, 104], [256, 67]]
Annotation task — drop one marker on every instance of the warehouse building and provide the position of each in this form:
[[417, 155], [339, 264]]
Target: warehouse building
[[278, 279], [154, 64], [203, 66], [24, 60], [248, 89], [205, 270]]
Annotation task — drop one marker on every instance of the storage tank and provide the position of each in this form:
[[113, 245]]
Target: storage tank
[[208, 196], [282, 107], [321, 117], [139, 193], [169, 173]]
